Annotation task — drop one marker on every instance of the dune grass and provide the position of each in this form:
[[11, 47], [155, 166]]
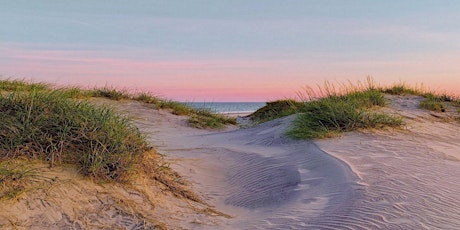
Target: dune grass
[[335, 113], [433, 103], [110, 93], [276, 109], [201, 119], [20, 85], [46, 125], [50, 126], [17, 177], [402, 89], [55, 125], [333, 109]]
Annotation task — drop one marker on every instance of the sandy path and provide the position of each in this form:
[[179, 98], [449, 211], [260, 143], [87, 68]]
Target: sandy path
[[256, 175]]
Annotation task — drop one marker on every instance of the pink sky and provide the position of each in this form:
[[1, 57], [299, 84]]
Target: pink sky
[[221, 79]]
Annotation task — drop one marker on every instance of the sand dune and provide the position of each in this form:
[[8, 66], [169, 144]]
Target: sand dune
[[410, 177], [259, 179], [392, 179]]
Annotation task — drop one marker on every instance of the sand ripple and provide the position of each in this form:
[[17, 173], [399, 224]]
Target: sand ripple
[[409, 185]]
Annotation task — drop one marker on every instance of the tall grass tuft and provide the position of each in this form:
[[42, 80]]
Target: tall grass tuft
[[48, 125]]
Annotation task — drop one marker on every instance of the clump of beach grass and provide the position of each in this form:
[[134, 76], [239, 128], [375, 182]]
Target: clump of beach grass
[[335, 112], [49, 126], [433, 103]]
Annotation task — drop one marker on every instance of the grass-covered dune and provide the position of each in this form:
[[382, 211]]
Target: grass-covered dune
[[61, 126], [331, 110], [47, 125]]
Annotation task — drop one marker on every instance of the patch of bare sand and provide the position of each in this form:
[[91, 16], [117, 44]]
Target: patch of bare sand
[[410, 176]]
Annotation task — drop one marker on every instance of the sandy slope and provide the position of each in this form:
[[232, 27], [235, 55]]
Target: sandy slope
[[410, 177], [393, 179]]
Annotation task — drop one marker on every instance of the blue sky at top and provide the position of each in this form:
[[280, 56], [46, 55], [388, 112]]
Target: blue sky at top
[[300, 41]]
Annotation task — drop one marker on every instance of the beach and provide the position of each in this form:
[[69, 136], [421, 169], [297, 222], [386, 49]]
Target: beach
[[255, 177]]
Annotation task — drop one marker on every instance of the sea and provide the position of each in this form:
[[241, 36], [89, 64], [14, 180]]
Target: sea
[[228, 107]]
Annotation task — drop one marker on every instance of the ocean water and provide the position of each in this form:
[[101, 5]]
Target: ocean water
[[228, 107]]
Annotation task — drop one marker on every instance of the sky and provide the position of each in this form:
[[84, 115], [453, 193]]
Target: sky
[[238, 50]]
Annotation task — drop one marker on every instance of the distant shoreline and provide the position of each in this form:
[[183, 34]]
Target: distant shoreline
[[232, 109]]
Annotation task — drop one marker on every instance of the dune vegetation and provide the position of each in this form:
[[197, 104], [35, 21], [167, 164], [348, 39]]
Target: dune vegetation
[[199, 118], [331, 110], [61, 127], [46, 125]]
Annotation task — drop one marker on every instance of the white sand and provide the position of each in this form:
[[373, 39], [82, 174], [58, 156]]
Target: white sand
[[392, 179]]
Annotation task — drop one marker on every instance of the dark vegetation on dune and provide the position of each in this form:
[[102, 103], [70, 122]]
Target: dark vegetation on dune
[[332, 110]]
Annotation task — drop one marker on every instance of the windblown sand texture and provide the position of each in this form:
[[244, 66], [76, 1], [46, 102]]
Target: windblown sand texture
[[392, 179]]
